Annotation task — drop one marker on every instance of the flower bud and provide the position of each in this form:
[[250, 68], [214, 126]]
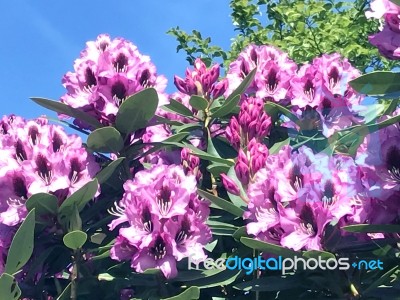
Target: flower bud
[[230, 185], [242, 168]]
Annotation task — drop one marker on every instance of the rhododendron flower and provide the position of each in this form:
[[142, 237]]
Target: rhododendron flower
[[303, 225], [107, 72], [166, 220], [380, 8], [272, 79], [381, 165], [39, 158], [388, 42], [297, 193]]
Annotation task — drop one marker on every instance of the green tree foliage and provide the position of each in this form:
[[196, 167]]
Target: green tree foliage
[[302, 28]]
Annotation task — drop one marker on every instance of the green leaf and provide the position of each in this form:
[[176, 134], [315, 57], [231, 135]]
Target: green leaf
[[239, 233], [75, 239], [65, 295], [176, 137], [221, 228], [397, 2], [135, 112], [222, 203], [278, 146], [316, 254], [272, 108], [371, 228], [226, 108], [79, 199], [192, 293], [237, 200], [187, 127], [177, 107], [43, 203], [106, 172], [9, 288], [206, 156], [268, 248], [198, 102], [106, 140], [243, 85], [22, 245], [161, 120], [68, 110], [377, 83], [216, 169], [380, 281]]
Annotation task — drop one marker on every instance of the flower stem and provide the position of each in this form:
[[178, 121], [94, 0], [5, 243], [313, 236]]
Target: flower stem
[[75, 274]]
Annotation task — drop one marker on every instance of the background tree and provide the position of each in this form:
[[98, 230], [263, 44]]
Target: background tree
[[304, 29]]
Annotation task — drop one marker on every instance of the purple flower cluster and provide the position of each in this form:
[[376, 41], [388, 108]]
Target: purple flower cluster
[[163, 220], [38, 158], [296, 194], [107, 72], [318, 93], [388, 39], [381, 173]]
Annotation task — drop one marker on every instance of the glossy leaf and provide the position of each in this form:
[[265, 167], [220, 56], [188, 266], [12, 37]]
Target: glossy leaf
[[222, 203], [135, 112], [243, 85], [19, 255], [9, 289], [43, 203], [106, 140], [372, 228], [79, 198], [377, 83], [268, 247], [198, 102], [226, 108], [107, 172], [278, 146], [272, 108], [75, 239], [68, 110], [177, 107]]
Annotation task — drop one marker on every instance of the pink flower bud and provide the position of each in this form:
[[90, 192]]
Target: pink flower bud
[[180, 84], [219, 88], [242, 168], [259, 154], [230, 185]]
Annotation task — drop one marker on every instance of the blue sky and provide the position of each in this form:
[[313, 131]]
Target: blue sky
[[42, 38]]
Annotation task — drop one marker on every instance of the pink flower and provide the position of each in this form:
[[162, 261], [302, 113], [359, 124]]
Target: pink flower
[[157, 255], [163, 219], [39, 158], [107, 72], [304, 224], [388, 43], [274, 73], [379, 8]]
